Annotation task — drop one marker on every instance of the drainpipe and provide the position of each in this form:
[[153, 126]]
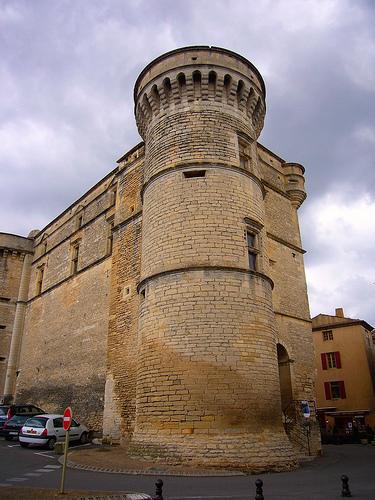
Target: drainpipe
[[19, 318]]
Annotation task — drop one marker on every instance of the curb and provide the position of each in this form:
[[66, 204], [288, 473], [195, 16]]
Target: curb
[[152, 471]]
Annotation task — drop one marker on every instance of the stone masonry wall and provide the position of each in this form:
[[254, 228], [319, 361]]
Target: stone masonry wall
[[122, 354]]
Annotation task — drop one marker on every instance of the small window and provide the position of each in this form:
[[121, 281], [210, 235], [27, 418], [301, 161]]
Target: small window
[[111, 225], [75, 254], [331, 360], [79, 221], [252, 249], [39, 280], [190, 174], [335, 390], [328, 335], [244, 154]]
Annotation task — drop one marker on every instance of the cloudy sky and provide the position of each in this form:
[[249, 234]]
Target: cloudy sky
[[67, 71]]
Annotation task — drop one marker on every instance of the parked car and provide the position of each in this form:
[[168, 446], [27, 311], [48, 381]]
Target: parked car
[[47, 429], [13, 426], [8, 411]]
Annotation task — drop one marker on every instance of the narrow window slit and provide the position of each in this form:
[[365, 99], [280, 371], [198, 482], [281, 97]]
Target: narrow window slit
[[190, 174]]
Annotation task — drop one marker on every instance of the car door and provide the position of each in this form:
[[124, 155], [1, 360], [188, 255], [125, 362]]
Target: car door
[[58, 429], [75, 430]]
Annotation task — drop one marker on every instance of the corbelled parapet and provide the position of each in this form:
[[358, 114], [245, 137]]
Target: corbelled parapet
[[295, 186], [200, 74]]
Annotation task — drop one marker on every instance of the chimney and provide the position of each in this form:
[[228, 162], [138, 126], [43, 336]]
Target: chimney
[[339, 312]]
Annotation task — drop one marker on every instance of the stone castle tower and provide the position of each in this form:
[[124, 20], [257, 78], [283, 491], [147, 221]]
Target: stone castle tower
[[180, 279], [208, 378]]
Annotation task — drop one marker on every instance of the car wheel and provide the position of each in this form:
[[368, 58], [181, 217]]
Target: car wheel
[[83, 439], [51, 443], [8, 438], [24, 445]]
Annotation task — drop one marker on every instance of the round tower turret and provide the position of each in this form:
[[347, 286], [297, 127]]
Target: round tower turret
[[208, 382]]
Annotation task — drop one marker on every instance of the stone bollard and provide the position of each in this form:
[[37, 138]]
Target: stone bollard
[[345, 487], [59, 448], [159, 490], [259, 490]]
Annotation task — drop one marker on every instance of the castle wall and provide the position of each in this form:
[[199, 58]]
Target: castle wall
[[63, 358], [168, 305], [122, 353]]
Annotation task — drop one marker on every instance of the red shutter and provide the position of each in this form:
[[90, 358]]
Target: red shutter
[[337, 359], [342, 389], [328, 390], [324, 360]]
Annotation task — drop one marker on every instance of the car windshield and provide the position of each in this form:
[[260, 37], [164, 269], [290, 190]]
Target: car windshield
[[36, 422], [4, 410]]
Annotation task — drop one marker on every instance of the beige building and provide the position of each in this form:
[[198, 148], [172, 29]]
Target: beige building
[[345, 359], [168, 305]]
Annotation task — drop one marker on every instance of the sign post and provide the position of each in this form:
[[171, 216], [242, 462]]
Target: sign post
[[67, 422]]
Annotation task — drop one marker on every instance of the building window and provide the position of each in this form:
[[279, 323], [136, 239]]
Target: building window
[[79, 221], [39, 280], [75, 254], [191, 174], [328, 335], [251, 250], [335, 390], [252, 237], [244, 154], [111, 225], [330, 360]]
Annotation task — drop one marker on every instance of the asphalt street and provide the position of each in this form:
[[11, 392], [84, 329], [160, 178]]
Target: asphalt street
[[319, 479]]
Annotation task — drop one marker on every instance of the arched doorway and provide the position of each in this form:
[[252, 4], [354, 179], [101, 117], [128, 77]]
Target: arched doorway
[[285, 376]]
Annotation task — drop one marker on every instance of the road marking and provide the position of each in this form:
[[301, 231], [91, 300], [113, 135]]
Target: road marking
[[32, 474], [43, 455], [53, 466], [17, 479], [44, 470]]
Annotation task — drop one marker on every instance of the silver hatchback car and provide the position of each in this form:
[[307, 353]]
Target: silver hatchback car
[[47, 429]]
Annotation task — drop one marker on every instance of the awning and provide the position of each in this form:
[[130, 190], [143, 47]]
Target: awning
[[348, 413]]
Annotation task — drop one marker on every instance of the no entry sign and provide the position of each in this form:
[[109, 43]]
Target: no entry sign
[[67, 419]]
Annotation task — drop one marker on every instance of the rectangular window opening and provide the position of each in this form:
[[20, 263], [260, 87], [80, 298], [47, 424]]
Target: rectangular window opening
[[190, 174], [39, 281], [328, 335], [75, 254], [252, 248]]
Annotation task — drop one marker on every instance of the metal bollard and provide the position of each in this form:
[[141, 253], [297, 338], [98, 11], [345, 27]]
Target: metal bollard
[[159, 490], [345, 486], [259, 490]]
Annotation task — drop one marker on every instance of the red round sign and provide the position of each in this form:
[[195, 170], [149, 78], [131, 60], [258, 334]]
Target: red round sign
[[67, 418]]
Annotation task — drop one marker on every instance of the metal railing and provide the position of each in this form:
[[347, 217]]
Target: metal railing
[[297, 426]]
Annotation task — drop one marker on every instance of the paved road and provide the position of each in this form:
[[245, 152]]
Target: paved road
[[316, 480]]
